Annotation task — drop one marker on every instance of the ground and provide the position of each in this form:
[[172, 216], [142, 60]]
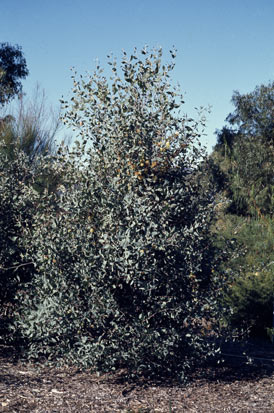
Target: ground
[[238, 385]]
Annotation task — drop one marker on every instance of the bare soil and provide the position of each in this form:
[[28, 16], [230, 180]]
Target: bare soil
[[240, 384]]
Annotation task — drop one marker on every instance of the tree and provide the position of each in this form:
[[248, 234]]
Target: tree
[[245, 152], [32, 127], [13, 68], [243, 161], [126, 273]]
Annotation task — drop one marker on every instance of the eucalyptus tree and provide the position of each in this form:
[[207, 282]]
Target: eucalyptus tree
[[13, 68]]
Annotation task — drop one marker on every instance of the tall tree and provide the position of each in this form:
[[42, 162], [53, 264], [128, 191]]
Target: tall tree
[[13, 68]]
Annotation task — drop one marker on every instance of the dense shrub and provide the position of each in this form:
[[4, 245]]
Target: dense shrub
[[251, 294], [16, 201], [126, 273], [26, 136]]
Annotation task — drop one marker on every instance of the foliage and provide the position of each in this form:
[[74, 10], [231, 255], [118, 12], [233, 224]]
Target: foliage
[[16, 179], [251, 270], [25, 140], [13, 68], [242, 165], [32, 127], [126, 273], [270, 334], [245, 152]]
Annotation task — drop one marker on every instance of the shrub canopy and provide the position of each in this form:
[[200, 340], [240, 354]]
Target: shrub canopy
[[126, 273]]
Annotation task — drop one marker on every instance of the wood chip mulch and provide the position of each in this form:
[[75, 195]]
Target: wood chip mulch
[[236, 386]]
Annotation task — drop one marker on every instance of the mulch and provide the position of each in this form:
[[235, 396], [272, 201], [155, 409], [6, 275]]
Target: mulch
[[240, 384]]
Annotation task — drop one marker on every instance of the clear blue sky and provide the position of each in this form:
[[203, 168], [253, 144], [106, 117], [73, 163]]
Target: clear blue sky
[[222, 45]]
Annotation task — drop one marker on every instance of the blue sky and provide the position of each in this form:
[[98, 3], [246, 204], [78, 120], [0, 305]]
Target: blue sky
[[222, 45]]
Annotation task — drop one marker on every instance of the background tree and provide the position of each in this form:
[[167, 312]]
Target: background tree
[[13, 69], [245, 152], [32, 127], [243, 164]]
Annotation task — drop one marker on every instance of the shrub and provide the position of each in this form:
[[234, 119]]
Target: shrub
[[126, 273], [16, 197], [251, 293], [25, 138]]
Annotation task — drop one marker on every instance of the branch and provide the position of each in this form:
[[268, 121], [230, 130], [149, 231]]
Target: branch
[[16, 266]]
